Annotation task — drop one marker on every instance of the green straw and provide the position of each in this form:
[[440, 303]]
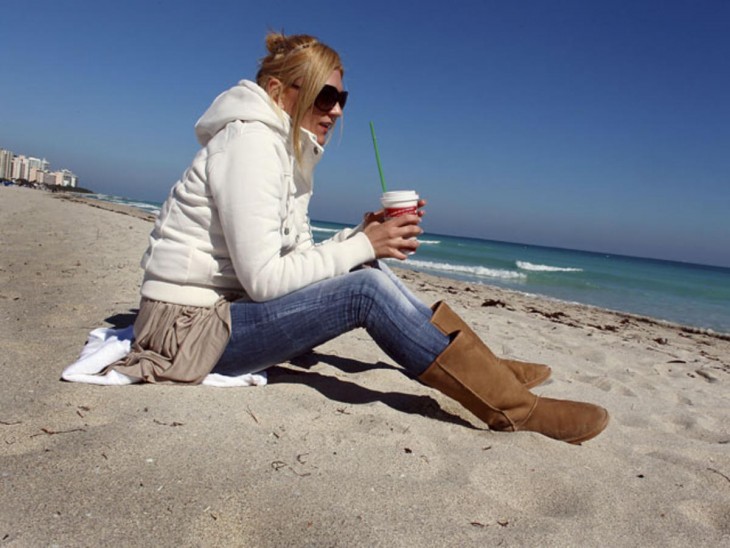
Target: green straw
[[377, 157]]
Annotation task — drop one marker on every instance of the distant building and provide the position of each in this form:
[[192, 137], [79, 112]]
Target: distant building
[[39, 164], [21, 169], [35, 175], [6, 164], [47, 178], [65, 178]]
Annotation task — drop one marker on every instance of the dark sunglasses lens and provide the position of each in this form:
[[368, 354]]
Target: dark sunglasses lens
[[329, 97]]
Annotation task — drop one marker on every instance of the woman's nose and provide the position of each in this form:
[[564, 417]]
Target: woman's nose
[[336, 111]]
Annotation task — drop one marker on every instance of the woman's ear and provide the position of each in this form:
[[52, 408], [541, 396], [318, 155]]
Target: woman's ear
[[274, 88]]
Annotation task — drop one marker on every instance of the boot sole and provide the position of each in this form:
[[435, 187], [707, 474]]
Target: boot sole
[[590, 435]]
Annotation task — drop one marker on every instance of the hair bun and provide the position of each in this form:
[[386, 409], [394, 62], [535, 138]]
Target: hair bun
[[276, 42], [279, 44]]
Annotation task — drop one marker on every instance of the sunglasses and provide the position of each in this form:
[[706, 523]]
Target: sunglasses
[[328, 97]]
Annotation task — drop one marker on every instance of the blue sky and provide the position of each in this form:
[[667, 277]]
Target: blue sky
[[602, 126]]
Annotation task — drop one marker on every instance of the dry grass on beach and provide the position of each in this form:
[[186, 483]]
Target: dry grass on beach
[[341, 448]]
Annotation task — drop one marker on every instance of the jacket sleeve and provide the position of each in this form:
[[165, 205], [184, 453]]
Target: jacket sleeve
[[345, 234], [249, 184]]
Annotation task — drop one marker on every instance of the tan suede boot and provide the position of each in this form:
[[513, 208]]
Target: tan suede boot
[[471, 376], [448, 321]]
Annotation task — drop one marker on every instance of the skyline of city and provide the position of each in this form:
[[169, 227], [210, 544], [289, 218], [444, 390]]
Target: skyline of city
[[19, 166]]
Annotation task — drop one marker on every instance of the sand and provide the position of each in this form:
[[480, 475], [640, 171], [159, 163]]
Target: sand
[[341, 448]]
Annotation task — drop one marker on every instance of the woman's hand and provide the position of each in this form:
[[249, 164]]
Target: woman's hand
[[393, 238], [379, 216], [396, 237]]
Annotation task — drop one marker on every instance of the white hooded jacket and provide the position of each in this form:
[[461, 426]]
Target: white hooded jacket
[[237, 221]]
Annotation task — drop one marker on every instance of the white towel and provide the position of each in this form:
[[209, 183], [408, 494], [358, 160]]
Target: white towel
[[105, 346]]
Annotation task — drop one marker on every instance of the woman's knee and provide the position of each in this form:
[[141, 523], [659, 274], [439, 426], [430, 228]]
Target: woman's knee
[[373, 283], [372, 289]]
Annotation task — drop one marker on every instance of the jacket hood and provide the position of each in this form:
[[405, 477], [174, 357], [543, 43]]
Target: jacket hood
[[245, 101]]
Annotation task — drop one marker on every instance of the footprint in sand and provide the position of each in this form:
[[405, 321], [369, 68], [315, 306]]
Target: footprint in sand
[[607, 385]]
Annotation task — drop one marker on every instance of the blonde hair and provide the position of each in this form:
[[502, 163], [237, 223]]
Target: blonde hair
[[298, 57]]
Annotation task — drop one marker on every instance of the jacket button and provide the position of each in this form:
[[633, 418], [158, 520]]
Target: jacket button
[[286, 231], [316, 151]]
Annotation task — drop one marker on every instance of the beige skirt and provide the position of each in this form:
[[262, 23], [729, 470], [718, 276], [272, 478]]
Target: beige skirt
[[175, 343]]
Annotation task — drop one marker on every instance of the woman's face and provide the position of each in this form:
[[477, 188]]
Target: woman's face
[[317, 121]]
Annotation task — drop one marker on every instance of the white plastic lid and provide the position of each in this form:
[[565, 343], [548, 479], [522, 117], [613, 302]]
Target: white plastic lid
[[394, 197]]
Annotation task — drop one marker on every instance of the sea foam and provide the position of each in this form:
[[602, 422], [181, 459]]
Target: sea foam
[[476, 271], [326, 230], [524, 265], [147, 207]]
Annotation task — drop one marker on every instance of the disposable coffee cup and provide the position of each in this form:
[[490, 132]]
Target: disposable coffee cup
[[399, 202]]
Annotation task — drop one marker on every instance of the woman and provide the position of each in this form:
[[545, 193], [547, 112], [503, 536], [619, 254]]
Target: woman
[[234, 282]]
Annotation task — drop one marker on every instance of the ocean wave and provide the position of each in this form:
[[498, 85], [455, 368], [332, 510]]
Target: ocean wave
[[477, 271], [141, 205], [429, 242], [148, 207], [328, 230], [524, 265]]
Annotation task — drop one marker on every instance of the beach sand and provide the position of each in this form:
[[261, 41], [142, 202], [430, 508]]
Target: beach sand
[[341, 448]]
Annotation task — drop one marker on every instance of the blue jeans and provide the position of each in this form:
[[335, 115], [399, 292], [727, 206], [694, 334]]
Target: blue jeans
[[267, 333]]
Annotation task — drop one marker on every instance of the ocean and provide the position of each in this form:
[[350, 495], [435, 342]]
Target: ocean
[[683, 293]]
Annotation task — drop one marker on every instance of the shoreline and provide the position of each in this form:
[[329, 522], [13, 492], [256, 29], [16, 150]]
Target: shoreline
[[340, 448], [101, 204], [135, 212]]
